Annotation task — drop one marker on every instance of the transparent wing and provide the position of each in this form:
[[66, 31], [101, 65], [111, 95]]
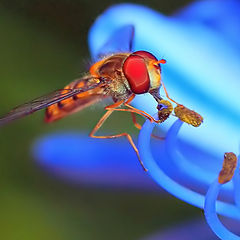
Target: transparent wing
[[120, 41], [44, 101]]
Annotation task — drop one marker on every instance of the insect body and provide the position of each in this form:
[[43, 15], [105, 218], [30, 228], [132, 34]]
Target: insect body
[[119, 76]]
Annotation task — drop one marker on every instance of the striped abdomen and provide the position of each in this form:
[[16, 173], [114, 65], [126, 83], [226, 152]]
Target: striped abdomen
[[74, 103]]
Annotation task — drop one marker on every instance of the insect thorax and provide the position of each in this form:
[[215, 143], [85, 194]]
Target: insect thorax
[[112, 68]]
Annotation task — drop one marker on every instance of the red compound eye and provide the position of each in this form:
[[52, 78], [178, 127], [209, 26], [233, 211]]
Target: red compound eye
[[145, 54], [136, 72], [149, 56]]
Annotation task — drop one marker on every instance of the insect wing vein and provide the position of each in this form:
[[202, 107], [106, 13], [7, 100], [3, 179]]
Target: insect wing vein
[[43, 102]]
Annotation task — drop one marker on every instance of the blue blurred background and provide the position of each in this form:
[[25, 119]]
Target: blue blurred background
[[44, 47]]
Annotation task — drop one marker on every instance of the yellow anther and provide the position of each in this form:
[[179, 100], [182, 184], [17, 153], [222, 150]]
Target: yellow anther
[[97, 80], [228, 168], [165, 108], [188, 116]]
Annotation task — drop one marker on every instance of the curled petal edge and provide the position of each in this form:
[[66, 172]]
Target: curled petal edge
[[170, 185]]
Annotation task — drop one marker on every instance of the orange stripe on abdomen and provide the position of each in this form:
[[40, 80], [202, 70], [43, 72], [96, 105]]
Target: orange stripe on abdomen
[[73, 104]]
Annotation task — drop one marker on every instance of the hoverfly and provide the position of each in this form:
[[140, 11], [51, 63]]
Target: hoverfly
[[119, 76]]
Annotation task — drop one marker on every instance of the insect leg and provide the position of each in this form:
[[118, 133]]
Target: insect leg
[[131, 110], [165, 90], [140, 112], [129, 138], [114, 106], [138, 126], [130, 98], [146, 115]]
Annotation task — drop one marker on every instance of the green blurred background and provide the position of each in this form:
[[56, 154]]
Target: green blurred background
[[43, 46]]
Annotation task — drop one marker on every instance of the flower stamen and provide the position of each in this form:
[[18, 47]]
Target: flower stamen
[[228, 168], [165, 108], [188, 116]]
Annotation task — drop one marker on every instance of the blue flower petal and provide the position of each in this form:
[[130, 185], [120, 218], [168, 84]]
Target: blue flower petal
[[173, 186], [186, 230], [120, 41], [211, 216], [223, 17], [80, 159], [202, 69]]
